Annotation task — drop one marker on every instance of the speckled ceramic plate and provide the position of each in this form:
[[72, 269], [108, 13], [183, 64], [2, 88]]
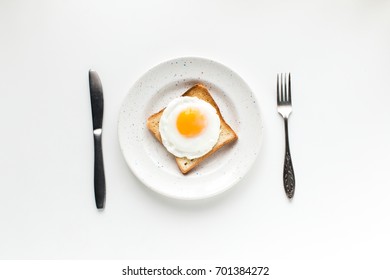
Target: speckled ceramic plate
[[151, 162]]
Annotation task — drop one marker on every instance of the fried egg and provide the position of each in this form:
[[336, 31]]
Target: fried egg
[[189, 127]]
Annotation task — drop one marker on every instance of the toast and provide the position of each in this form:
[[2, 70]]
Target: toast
[[226, 136]]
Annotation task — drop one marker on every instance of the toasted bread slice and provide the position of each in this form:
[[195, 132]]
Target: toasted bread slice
[[226, 135]]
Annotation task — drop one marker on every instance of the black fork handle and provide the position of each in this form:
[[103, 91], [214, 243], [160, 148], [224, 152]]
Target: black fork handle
[[288, 170]]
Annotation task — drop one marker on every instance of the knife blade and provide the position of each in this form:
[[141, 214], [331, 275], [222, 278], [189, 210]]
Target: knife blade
[[97, 104]]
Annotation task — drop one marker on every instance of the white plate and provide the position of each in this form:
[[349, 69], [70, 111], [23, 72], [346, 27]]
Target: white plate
[[151, 162]]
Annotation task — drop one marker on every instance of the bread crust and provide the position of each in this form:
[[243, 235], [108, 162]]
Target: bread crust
[[226, 136]]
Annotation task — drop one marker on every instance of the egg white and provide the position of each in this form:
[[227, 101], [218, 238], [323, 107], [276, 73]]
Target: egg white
[[189, 147]]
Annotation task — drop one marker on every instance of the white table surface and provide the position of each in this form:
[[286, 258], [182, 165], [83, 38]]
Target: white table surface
[[339, 55]]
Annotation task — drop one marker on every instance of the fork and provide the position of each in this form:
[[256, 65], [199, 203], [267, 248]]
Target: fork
[[284, 109]]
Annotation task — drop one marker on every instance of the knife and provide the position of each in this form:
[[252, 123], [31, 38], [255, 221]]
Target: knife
[[97, 102]]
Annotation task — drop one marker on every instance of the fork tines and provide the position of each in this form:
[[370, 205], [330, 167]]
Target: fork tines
[[283, 89]]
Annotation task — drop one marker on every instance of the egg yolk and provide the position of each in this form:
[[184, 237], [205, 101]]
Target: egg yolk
[[190, 122]]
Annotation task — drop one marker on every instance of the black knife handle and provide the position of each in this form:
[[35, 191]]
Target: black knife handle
[[99, 177]]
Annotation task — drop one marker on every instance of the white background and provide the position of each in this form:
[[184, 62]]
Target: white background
[[339, 55]]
